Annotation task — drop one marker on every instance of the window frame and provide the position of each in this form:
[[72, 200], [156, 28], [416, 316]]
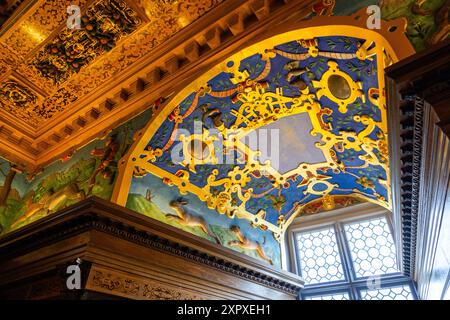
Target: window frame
[[352, 284]]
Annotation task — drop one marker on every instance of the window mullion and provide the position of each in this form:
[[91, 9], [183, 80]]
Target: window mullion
[[347, 260], [343, 250], [354, 293], [297, 256]]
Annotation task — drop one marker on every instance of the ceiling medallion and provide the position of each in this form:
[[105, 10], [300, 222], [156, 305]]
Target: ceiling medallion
[[15, 94], [339, 87], [17, 98]]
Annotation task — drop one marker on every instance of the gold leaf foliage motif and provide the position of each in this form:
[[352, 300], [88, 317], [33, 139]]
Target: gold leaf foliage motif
[[16, 98]]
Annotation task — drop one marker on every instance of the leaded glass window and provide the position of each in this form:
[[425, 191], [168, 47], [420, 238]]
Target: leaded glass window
[[350, 260], [320, 261], [334, 296], [372, 247], [402, 292]]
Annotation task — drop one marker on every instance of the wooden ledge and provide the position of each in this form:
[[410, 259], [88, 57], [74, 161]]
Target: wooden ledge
[[126, 254]]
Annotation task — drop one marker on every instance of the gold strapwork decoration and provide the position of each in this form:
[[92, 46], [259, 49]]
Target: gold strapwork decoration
[[346, 112]]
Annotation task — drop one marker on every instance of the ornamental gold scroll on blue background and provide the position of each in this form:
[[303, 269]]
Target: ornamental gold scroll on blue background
[[289, 73]]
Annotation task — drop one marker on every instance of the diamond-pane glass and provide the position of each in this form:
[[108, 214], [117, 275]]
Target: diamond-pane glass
[[371, 247], [402, 292], [319, 256], [334, 296]]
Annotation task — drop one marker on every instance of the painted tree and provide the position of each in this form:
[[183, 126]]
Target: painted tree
[[7, 184]]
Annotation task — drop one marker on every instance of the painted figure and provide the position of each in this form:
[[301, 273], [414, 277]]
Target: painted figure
[[294, 69], [148, 195], [214, 114], [189, 220], [322, 8], [246, 244], [106, 155], [51, 201]]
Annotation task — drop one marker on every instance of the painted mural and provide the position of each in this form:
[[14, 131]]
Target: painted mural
[[92, 170], [13, 188], [428, 20], [89, 171], [319, 96], [152, 197]]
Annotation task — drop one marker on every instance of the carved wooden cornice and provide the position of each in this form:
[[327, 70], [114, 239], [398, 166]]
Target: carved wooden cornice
[[96, 215], [411, 131], [418, 98], [162, 71], [427, 75]]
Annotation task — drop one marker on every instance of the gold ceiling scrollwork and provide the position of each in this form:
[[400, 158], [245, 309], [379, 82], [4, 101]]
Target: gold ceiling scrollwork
[[352, 141], [16, 94], [17, 98], [339, 87]]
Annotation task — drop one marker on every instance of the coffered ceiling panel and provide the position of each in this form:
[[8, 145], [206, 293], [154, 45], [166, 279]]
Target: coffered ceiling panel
[[46, 67]]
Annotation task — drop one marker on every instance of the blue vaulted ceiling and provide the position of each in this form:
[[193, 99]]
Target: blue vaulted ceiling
[[321, 94]]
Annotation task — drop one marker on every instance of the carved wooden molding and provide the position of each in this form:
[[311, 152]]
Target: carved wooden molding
[[122, 224], [432, 196], [121, 284], [416, 142]]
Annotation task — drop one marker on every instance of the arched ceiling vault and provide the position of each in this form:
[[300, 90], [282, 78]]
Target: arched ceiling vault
[[320, 88]]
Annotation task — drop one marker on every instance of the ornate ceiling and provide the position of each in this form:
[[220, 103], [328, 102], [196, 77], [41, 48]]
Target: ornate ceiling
[[317, 92], [45, 67], [61, 88], [246, 69]]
